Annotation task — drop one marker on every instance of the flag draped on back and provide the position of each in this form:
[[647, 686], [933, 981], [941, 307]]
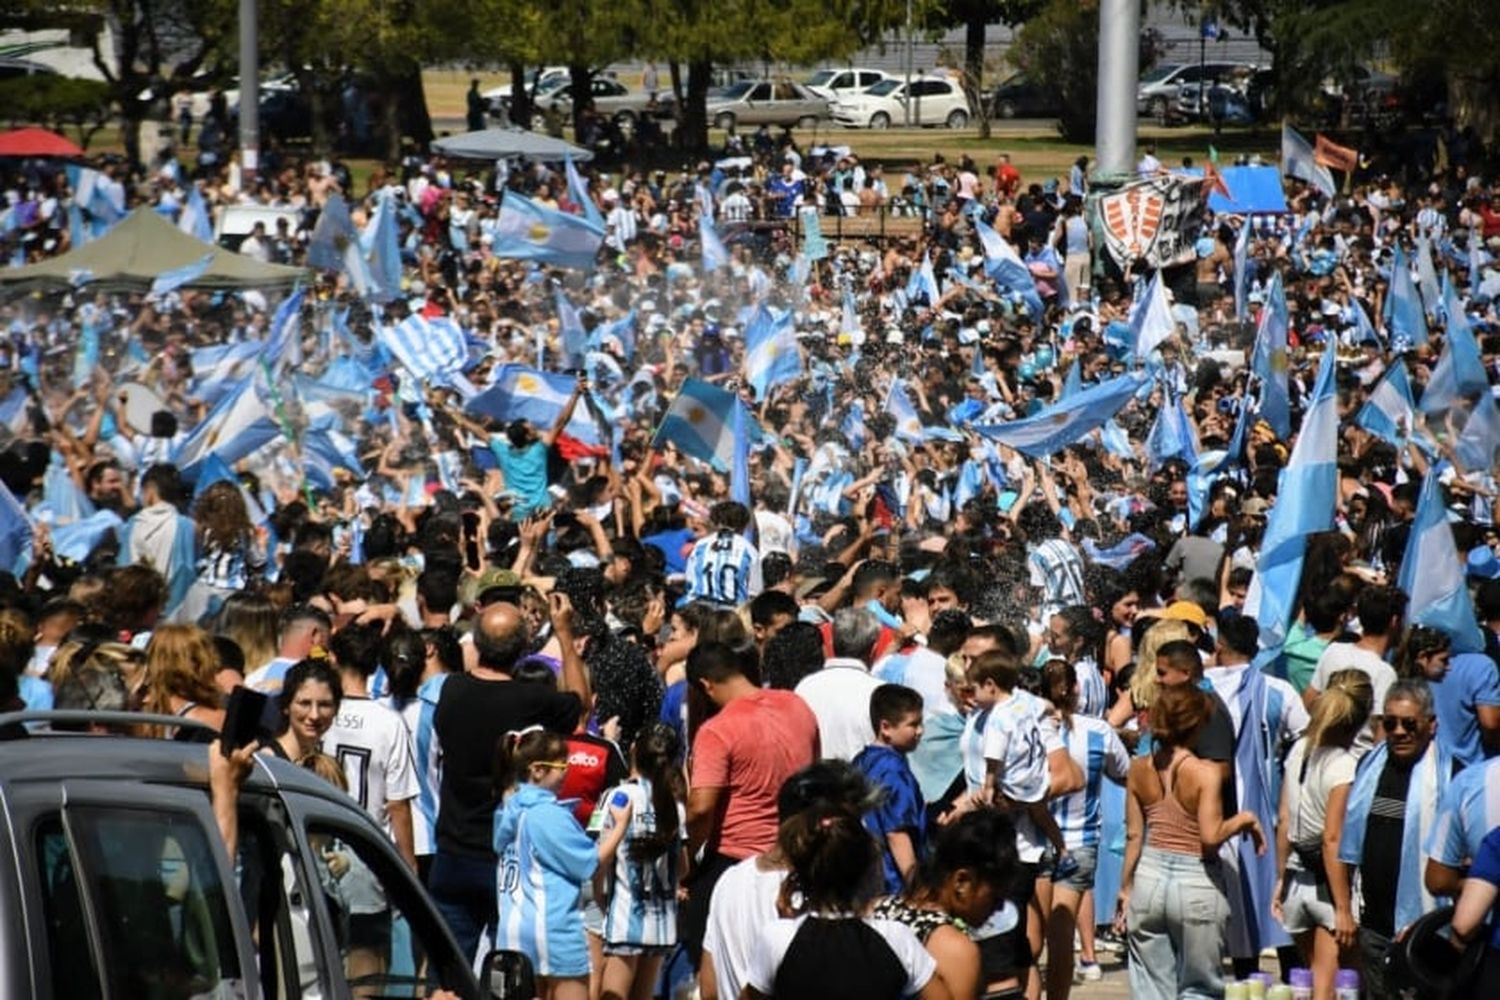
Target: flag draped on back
[[771, 356], [1269, 361], [715, 255], [1068, 421], [529, 230], [1304, 505], [1432, 574], [1006, 268], [700, 421], [1299, 160], [431, 349]]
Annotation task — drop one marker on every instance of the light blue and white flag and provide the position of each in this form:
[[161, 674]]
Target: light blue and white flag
[[1242, 272], [715, 255], [1433, 573], [899, 405], [196, 220], [284, 340], [700, 422], [1151, 321], [578, 191], [771, 355], [1460, 370], [1402, 313], [1068, 421], [814, 246], [522, 393], [381, 244], [923, 282], [16, 534], [1476, 444], [1006, 268], [1297, 160], [169, 281], [1269, 360], [239, 425], [1389, 412], [574, 337], [529, 230], [431, 349]]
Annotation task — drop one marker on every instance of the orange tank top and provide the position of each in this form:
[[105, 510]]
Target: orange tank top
[[1170, 827]]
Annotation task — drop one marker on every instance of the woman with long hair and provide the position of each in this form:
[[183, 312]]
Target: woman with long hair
[[230, 558], [1172, 903], [827, 950], [960, 883], [1129, 715], [310, 699], [250, 618], [1424, 654], [1119, 602], [1313, 898], [415, 672], [1076, 634], [181, 664]]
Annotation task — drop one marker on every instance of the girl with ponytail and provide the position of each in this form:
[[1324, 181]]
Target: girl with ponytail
[[1077, 634], [639, 893], [545, 860]]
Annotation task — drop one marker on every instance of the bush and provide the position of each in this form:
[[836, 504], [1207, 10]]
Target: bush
[[54, 101]]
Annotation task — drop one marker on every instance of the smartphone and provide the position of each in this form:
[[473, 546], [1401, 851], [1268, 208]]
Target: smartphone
[[249, 715]]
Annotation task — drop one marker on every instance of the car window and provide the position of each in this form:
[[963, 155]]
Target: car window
[[68, 953], [842, 81], [884, 87], [820, 78], [930, 88], [152, 891], [868, 79], [381, 932], [786, 92], [1190, 74], [279, 907], [1160, 73], [762, 92]]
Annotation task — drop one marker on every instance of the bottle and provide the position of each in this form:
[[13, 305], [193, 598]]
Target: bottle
[[1236, 991], [1255, 988], [1281, 991], [1302, 984], [1346, 984]]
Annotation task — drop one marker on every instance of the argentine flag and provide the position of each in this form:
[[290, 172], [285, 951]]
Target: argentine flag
[[196, 220], [169, 281], [700, 422], [1389, 412], [715, 255], [1151, 320], [522, 393], [899, 405], [431, 349], [529, 230], [241, 424], [771, 355], [1066, 422], [1432, 574], [1006, 268], [1297, 160]]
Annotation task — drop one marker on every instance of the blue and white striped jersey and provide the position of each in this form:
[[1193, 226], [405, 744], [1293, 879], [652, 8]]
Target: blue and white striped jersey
[[640, 897], [1099, 754], [427, 754], [1469, 809], [1093, 693], [723, 568]]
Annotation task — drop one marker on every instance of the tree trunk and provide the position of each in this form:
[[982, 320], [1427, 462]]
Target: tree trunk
[[520, 98], [413, 108], [974, 71], [131, 115], [390, 119], [582, 80], [694, 126]]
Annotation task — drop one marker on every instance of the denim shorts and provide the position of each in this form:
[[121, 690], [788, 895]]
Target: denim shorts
[[1082, 880], [1306, 902]]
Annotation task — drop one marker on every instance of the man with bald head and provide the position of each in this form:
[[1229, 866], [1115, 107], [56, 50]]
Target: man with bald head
[[475, 711]]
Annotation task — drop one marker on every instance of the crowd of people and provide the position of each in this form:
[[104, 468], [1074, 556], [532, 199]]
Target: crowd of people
[[878, 701]]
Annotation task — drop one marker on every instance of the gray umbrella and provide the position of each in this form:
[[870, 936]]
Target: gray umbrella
[[504, 143]]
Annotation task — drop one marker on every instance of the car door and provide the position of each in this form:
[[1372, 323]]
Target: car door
[[128, 894], [929, 108], [840, 83], [756, 109], [869, 79], [385, 935]]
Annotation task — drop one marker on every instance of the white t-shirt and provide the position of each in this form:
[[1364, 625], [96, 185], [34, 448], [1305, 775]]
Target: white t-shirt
[[839, 696], [1347, 656], [371, 744], [744, 900], [775, 937], [1327, 769]]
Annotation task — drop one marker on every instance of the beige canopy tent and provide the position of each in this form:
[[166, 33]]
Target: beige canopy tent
[[140, 247]]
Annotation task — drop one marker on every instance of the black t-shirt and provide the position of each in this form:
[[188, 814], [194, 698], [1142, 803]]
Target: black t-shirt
[[1384, 831], [472, 717], [1216, 743]]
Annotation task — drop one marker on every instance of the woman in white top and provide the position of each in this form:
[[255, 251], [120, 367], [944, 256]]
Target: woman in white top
[[1313, 898]]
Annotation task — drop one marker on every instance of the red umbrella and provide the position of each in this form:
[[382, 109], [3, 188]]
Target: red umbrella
[[36, 142]]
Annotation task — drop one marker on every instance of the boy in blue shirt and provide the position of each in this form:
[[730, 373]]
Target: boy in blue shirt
[[898, 818]]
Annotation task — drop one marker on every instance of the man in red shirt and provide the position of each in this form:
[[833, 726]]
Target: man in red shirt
[[741, 757], [1007, 177]]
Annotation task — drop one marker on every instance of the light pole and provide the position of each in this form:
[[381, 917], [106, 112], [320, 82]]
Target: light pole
[[249, 95], [1119, 57], [908, 64]]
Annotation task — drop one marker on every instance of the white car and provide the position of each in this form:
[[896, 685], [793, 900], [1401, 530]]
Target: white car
[[496, 98], [933, 101], [833, 84]]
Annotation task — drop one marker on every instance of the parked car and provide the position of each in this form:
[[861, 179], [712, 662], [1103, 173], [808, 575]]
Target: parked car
[[1157, 90], [13, 68], [496, 98], [1018, 97], [115, 881], [933, 101], [833, 84], [766, 102], [1225, 104], [610, 97]]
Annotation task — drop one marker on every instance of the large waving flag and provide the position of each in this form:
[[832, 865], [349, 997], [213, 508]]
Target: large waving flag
[[529, 230], [1304, 505], [771, 355], [285, 337], [1068, 421], [431, 349], [701, 422], [1006, 268], [1269, 361], [899, 405], [522, 393], [15, 534], [1242, 272], [196, 220], [169, 281], [331, 237], [1428, 286], [381, 243], [923, 282], [1171, 436], [574, 337], [1402, 313], [739, 471], [1475, 447], [1298, 160], [1389, 413], [1432, 574], [621, 330], [1151, 320], [1460, 371], [241, 424], [1364, 330], [715, 255]]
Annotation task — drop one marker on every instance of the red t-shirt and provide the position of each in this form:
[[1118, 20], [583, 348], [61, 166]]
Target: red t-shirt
[[749, 749]]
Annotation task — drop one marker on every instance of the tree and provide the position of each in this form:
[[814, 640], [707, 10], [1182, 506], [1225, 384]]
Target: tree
[[1059, 51], [55, 101], [975, 17]]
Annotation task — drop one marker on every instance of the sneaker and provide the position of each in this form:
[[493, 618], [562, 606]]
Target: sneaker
[[1107, 940], [1087, 972]]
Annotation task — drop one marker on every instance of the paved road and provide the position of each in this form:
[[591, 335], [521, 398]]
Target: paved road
[[454, 124]]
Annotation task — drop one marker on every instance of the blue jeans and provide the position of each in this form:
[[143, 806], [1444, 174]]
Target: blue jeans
[[1176, 918], [464, 890]]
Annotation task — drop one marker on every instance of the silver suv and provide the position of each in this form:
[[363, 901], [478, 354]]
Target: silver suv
[[114, 881]]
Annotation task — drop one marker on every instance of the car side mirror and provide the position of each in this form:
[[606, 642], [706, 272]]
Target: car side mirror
[[507, 975]]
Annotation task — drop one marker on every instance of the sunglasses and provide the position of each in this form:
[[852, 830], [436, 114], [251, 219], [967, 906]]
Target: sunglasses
[[1400, 723]]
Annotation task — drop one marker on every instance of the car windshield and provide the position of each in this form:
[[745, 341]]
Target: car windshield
[[821, 77], [884, 87], [735, 91], [1159, 73]]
